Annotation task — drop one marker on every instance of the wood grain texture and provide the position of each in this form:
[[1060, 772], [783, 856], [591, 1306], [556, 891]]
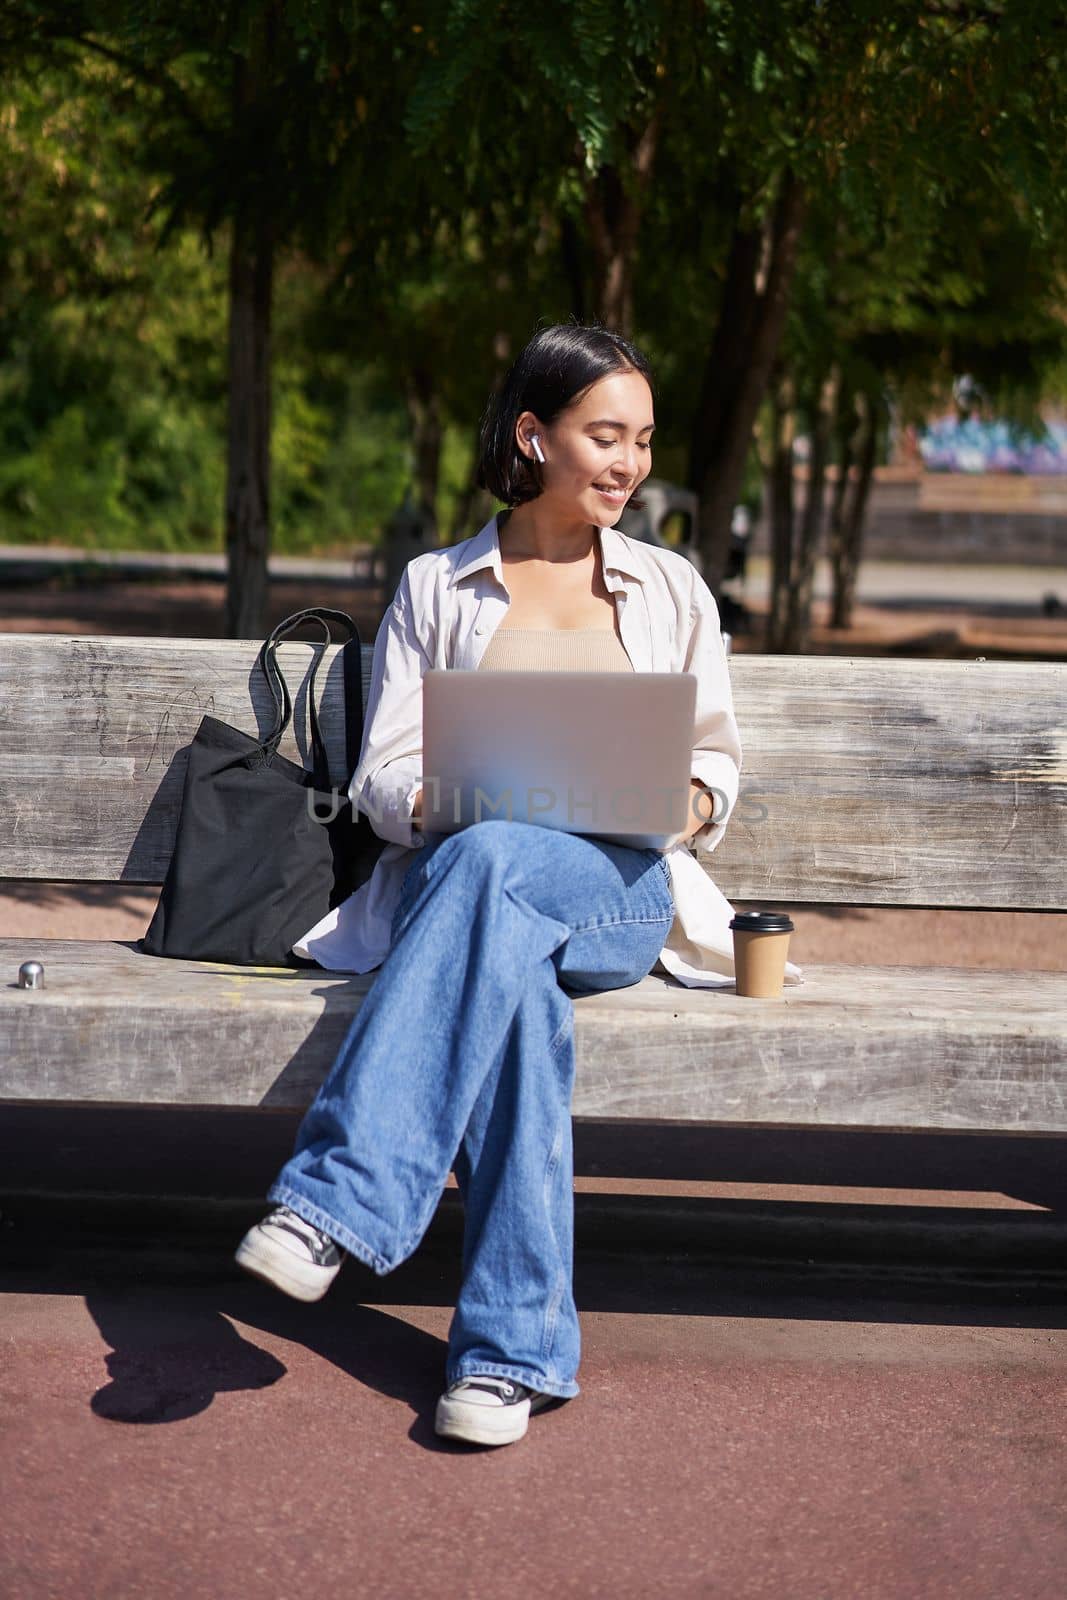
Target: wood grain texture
[[94, 734], [879, 1047], [865, 781], [899, 783]]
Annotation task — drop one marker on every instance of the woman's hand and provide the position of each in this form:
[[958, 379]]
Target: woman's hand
[[701, 808], [416, 810]]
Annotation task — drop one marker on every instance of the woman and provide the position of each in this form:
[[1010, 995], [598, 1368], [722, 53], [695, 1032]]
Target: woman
[[462, 1055]]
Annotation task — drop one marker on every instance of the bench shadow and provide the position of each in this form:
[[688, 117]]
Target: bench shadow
[[158, 1277], [179, 1337]]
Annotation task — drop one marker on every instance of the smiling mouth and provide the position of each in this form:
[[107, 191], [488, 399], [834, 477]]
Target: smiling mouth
[[618, 495]]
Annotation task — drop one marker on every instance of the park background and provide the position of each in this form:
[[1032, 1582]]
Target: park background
[[261, 263]]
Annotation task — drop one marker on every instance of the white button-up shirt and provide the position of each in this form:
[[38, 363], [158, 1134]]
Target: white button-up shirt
[[448, 605]]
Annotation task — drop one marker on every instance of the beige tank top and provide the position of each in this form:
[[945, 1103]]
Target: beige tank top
[[554, 650]]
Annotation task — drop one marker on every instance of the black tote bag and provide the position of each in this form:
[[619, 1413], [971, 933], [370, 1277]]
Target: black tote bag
[[264, 847]]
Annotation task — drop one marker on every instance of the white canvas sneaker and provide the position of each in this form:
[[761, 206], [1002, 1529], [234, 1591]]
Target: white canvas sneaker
[[487, 1410], [289, 1253]]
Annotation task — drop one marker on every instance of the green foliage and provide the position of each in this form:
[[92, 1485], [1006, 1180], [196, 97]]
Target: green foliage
[[419, 164], [110, 352], [945, 256], [341, 461]]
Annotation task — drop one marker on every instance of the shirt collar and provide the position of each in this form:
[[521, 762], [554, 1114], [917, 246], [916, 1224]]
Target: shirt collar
[[483, 550], [618, 554], [621, 554]]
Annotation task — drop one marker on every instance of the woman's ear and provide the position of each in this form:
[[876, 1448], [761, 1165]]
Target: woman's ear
[[528, 436]]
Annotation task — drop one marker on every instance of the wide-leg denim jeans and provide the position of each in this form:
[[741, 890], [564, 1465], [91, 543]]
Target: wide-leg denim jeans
[[462, 1057]]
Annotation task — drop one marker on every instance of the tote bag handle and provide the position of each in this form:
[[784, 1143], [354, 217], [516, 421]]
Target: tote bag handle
[[352, 676]]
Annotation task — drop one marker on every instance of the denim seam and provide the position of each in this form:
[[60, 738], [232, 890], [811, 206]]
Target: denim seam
[[548, 1330], [474, 1368], [405, 904], [430, 870], [563, 1032], [551, 1322], [622, 922], [337, 1231]]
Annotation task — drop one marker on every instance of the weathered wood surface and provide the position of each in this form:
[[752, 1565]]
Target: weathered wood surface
[[899, 783], [93, 735], [875, 1047], [870, 781]]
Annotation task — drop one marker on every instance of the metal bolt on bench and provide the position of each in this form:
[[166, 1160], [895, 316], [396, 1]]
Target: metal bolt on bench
[[31, 975]]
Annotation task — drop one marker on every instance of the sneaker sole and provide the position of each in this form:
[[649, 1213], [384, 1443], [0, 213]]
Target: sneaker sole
[[282, 1270], [476, 1424]]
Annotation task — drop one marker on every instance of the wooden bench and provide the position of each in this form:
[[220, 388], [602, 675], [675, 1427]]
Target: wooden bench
[[866, 782]]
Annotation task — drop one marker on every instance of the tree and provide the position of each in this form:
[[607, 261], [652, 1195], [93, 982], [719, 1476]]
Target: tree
[[902, 285], [690, 168], [838, 120], [560, 111], [253, 113], [110, 368], [756, 113]]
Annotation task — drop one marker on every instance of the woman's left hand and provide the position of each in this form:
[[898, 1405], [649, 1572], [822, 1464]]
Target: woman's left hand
[[701, 809]]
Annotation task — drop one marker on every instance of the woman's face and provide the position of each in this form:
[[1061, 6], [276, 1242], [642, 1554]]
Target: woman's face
[[597, 451]]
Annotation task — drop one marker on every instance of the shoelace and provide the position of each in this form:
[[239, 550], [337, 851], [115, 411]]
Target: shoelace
[[505, 1387], [286, 1219]]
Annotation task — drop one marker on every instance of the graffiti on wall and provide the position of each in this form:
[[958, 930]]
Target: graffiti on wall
[[976, 444]]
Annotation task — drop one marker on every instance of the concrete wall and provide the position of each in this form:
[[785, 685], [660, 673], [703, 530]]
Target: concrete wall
[[943, 517]]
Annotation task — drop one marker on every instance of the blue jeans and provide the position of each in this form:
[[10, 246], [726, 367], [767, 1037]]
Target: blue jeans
[[462, 1058]]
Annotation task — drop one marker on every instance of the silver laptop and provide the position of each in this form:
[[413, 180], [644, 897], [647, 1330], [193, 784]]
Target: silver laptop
[[602, 753]]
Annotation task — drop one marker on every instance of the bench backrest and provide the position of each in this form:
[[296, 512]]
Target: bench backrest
[[870, 781]]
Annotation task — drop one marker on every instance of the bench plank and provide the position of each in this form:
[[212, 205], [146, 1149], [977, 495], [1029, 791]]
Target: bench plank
[[94, 733], [903, 783], [869, 781], [887, 1047]]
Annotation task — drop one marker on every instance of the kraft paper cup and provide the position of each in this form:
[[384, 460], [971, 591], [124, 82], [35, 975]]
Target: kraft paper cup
[[761, 944]]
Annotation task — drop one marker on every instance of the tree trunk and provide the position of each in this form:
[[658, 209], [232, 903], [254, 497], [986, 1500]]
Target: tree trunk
[[570, 248], [613, 211], [424, 412], [248, 462], [847, 553], [474, 506], [251, 292], [802, 579], [725, 366], [759, 280], [782, 512], [845, 429]]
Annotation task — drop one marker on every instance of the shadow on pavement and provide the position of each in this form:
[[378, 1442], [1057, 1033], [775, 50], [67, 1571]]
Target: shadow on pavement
[[159, 1280], [171, 1354], [156, 1378], [139, 1212]]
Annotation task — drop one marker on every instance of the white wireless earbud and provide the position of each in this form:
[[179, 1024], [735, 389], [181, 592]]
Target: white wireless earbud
[[535, 440]]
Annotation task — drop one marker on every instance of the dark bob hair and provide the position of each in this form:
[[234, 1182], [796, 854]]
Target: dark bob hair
[[554, 370]]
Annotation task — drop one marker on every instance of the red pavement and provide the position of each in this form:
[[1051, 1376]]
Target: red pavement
[[830, 1439]]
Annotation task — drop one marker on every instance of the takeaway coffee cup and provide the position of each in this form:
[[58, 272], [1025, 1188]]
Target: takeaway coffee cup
[[761, 942]]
